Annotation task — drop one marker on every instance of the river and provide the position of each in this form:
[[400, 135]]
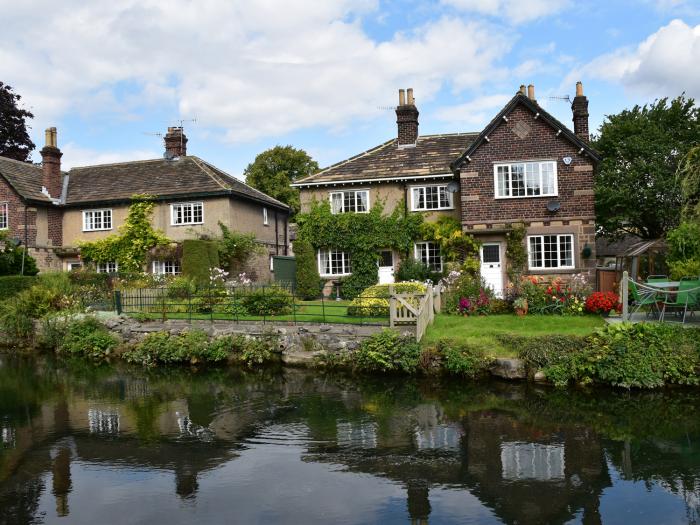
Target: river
[[88, 444]]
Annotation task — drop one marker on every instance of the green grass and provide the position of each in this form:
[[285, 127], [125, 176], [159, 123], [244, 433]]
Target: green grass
[[305, 311], [481, 331]]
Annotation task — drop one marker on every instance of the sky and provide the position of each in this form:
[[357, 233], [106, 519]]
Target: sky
[[323, 75]]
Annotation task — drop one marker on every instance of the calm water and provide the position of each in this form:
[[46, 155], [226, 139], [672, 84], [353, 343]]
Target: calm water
[[98, 445]]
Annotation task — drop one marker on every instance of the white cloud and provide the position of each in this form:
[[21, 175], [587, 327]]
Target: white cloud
[[665, 64], [515, 11], [74, 155], [253, 69], [474, 114]]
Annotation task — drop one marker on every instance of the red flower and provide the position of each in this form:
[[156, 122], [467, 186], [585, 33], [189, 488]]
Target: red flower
[[602, 302]]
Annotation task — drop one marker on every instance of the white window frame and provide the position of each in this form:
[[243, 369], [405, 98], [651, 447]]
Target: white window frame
[[524, 163], [166, 268], [541, 242], [191, 205], [89, 219], [346, 263], [450, 197], [417, 256], [72, 266], [4, 215], [265, 217], [342, 200], [107, 267]]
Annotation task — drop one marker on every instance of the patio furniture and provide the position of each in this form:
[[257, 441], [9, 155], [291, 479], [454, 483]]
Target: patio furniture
[[657, 278], [640, 300], [685, 297]]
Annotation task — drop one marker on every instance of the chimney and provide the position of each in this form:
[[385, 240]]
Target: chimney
[[51, 165], [407, 118], [531, 92], [579, 107], [175, 142], [523, 91]]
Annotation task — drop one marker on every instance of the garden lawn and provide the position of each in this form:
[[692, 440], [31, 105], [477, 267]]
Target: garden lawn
[[481, 330]]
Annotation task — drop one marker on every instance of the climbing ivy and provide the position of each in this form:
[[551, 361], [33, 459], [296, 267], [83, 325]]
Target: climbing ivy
[[455, 245], [130, 247], [361, 235], [516, 252]]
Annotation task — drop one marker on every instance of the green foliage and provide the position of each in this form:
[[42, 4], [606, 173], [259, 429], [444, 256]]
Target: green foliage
[[86, 337], [386, 351], [455, 245], [307, 277], [471, 287], [516, 253], [463, 359], [361, 235], [15, 142], [130, 247], [684, 249], [198, 258], [689, 178], [267, 300], [11, 285], [637, 190], [411, 269], [11, 256], [374, 301], [275, 169], [236, 249], [680, 269]]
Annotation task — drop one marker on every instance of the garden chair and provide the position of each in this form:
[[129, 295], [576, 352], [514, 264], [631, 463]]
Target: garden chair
[[657, 278], [639, 301], [685, 298]]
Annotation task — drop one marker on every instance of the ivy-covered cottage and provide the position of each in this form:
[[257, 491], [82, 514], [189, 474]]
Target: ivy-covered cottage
[[52, 211], [524, 168]]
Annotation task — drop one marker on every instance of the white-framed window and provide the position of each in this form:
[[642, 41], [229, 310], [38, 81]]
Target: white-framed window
[[350, 201], [187, 213], [95, 220], [265, 219], [333, 263], [432, 197], [4, 213], [525, 179], [166, 267], [73, 266], [107, 267], [551, 251], [428, 253]]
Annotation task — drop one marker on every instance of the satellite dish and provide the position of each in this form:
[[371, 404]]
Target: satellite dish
[[553, 206], [453, 186]]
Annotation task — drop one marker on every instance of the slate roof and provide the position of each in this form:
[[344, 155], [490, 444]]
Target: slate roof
[[431, 155], [186, 177], [25, 178]]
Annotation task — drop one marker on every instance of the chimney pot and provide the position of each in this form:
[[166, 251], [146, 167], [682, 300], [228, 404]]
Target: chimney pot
[[579, 89], [409, 95], [579, 108], [522, 89], [531, 92], [402, 97]]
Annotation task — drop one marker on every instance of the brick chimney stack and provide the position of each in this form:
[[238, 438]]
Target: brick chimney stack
[[579, 107], [51, 165], [407, 118], [175, 142]]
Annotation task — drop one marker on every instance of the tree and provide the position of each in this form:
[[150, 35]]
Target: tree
[[689, 180], [275, 169], [308, 279], [14, 138], [637, 190]]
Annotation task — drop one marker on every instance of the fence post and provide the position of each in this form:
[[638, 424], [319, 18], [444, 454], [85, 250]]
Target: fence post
[[189, 305], [392, 307], [624, 292], [118, 301]]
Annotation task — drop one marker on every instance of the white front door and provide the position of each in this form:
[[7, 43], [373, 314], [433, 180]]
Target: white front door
[[491, 267], [386, 267]]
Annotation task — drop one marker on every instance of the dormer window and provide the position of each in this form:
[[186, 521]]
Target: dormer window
[[432, 197], [97, 220], [525, 179], [350, 201]]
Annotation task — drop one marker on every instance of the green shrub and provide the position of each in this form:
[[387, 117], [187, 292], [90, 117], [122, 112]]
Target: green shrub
[[87, 337], [411, 269], [267, 300], [374, 301], [468, 294], [198, 258], [687, 268], [11, 285], [11, 258], [190, 347], [259, 352], [307, 277], [463, 359], [387, 351], [181, 287]]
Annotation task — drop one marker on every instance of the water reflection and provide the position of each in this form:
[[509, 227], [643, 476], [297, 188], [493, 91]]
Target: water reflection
[[118, 445]]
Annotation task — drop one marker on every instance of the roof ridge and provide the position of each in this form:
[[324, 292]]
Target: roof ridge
[[206, 168], [455, 134], [344, 161]]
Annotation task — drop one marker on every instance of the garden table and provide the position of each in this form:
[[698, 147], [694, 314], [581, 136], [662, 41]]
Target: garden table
[[666, 285]]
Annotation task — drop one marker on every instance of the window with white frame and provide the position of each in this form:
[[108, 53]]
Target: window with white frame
[[166, 267], [107, 267], [525, 179], [265, 220], [4, 212], [551, 251], [350, 201], [429, 253], [333, 263], [433, 197], [95, 220], [187, 213]]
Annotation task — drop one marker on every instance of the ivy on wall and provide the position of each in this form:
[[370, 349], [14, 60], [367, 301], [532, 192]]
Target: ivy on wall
[[361, 235], [130, 247], [516, 253], [455, 245]]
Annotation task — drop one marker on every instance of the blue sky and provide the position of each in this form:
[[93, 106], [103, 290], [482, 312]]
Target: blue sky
[[323, 76]]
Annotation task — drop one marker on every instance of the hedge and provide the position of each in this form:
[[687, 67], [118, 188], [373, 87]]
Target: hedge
[[11, 285], [198, 257]]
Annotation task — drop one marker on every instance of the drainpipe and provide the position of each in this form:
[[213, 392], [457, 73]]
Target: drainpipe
[[277, 235], [286, 234], [26, 238]]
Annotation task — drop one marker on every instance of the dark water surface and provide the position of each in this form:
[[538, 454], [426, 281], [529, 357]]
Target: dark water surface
[[102, 445]]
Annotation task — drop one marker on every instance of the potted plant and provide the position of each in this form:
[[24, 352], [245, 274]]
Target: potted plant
[[520, 306]]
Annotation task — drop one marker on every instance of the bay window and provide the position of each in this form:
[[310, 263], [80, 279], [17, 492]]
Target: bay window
[[551, 251], [333, 263], [525, 179], [350, 201]]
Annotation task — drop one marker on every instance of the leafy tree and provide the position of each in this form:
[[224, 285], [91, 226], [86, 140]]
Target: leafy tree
[[275, 169], [637, 190], [689, 179], [14, 139], [308, 279]]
